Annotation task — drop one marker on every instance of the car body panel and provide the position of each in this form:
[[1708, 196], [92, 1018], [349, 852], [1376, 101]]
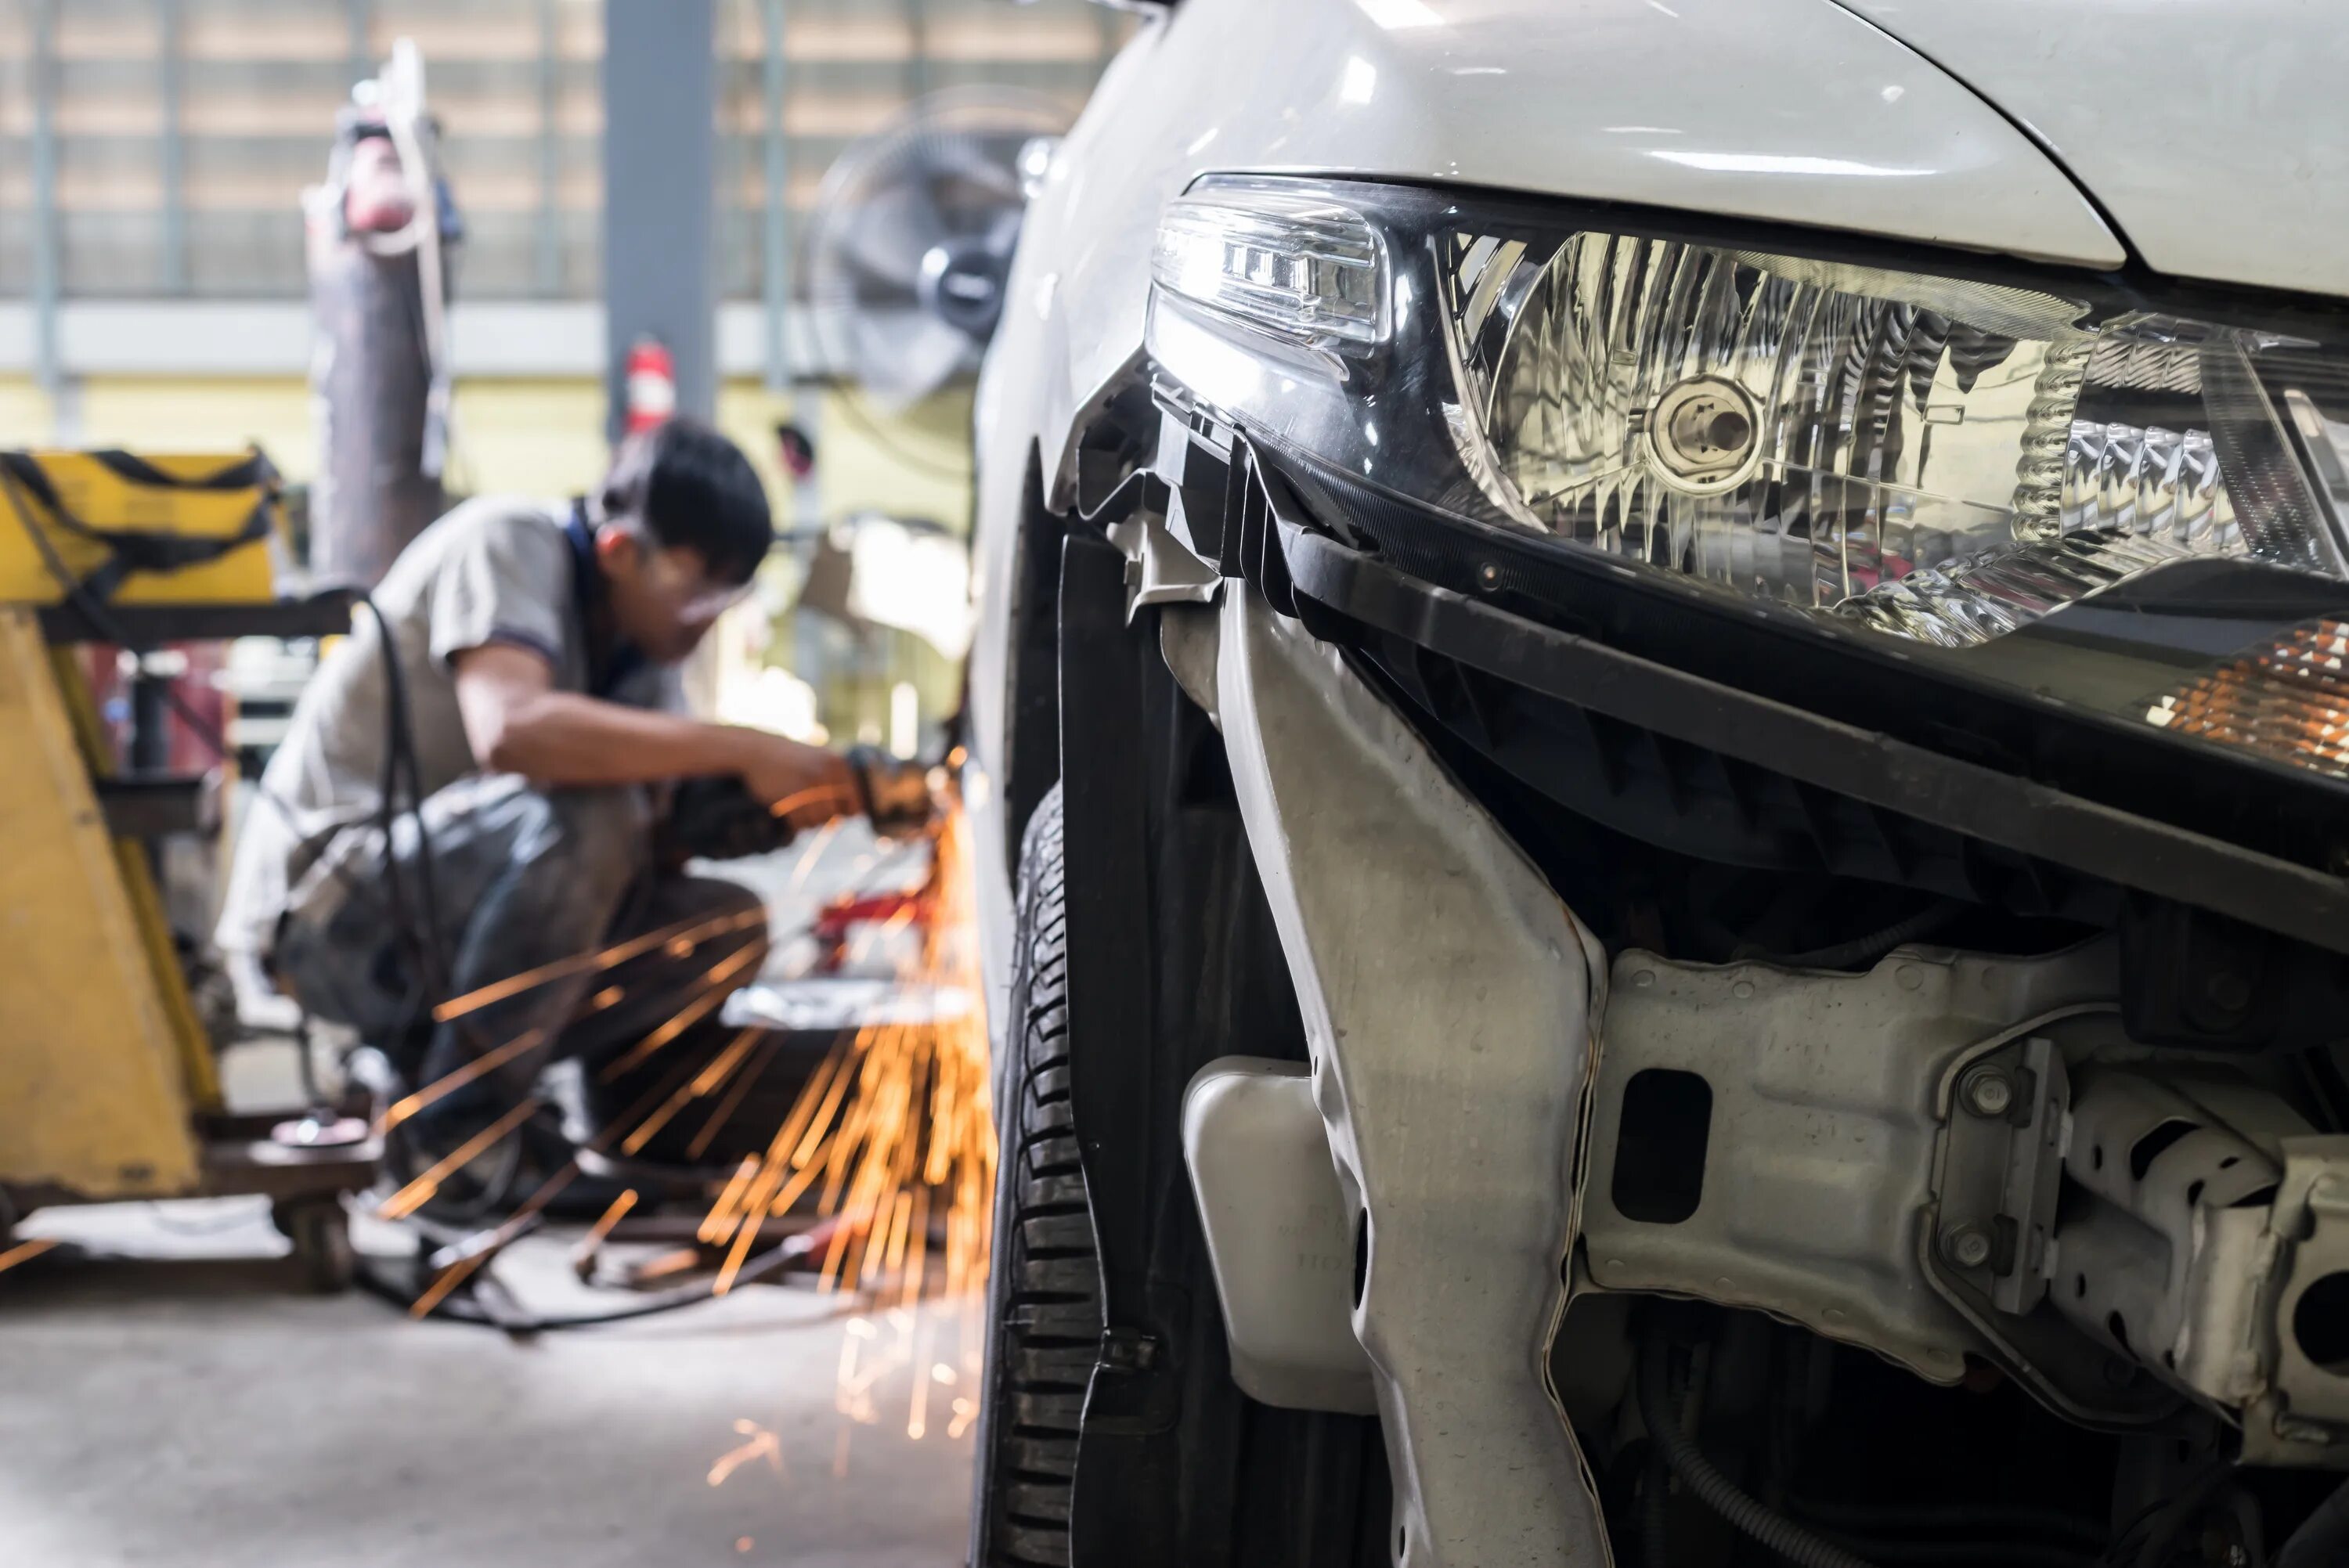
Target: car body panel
[[2213, 131], [1711, 106]]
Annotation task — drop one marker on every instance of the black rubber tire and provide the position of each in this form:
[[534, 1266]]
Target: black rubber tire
[[1044, 1297]]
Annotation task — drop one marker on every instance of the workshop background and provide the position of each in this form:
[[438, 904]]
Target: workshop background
[[173, 1394], [152, 287]]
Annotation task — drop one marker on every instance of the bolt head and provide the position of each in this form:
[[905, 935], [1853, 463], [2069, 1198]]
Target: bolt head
[[1988, 1092], [1968, 1246], [2228, 991]]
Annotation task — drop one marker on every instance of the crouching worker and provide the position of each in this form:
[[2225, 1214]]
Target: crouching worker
[[530, 687]]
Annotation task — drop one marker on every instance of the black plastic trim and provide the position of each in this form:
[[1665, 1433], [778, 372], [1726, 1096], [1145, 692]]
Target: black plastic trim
[[2000, 809]]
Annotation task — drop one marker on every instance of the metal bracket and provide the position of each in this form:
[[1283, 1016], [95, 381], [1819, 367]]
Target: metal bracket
[[2304, 1419], [1450, 1006], [1824, 1105], [2001, 1167]]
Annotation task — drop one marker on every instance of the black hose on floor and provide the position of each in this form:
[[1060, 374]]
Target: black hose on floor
[[1714, 1490], [457, 1309]]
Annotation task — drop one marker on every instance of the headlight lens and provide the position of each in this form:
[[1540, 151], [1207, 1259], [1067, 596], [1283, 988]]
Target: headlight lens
[[1934, 458], [1288, 262]]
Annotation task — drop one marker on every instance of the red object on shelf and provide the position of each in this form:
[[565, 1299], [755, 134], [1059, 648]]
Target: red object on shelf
[[836, 921], [651, 386], [377, 200]]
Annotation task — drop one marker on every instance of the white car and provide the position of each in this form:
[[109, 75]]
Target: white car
[[1662, 732]]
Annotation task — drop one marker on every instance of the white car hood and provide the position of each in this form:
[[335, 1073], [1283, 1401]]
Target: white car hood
[[2214, 133], [1794, 111]]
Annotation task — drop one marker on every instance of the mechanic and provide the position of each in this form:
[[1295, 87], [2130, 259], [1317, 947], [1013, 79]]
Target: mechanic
[[530, 703]]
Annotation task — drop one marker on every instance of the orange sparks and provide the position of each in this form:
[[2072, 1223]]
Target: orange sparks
[[830, 795], [762, 1444], [457, 1272], [584, 1256], [685, 931], [418, 1192], [25, 1252], [702, 1083], [720, 1222], [724, 1110], [714, 991], [488, 1062], [670, 1263], [892, 1138]]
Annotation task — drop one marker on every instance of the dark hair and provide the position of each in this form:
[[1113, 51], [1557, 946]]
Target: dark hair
[[688, 485]]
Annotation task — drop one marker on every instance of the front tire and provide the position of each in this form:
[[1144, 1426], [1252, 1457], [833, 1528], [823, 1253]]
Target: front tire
[[1044, 1297]]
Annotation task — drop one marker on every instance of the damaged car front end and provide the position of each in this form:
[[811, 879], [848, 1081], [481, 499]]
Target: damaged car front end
[[1691, 905]]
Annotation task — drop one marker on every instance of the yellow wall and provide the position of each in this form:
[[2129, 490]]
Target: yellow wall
[[532, 437], [25, 418], [544, 438], [172, 414], [528, 437]]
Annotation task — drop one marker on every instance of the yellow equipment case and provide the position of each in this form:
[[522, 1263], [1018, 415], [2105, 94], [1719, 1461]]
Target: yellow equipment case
[[107, 1084]]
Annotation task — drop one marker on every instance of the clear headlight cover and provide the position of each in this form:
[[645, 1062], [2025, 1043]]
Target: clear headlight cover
[[1936, 459]]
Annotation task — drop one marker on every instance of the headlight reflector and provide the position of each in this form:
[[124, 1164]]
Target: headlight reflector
[[1931, 457], [1935, 458]]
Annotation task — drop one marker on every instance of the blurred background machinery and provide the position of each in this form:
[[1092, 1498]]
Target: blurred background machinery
[[156, 265], [108, 560]]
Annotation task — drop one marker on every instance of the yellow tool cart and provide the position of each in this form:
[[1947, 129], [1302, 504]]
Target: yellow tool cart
[[108, 1086]]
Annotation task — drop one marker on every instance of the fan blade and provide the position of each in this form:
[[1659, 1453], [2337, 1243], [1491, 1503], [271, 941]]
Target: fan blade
[[889, 235], [946, 156], [904, 355]]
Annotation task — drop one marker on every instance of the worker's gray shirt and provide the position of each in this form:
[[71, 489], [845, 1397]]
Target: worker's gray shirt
[[495, 570]]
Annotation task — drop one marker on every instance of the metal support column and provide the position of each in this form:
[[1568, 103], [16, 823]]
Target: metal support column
[[917, 49], [660, 80], [550, 148], [171, 73], [47, 279], [776, 168], [359, 17]]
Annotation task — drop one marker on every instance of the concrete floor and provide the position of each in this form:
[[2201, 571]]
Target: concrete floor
[[199, 1411], [177, 1399]]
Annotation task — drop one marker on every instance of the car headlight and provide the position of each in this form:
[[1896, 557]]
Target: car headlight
[[1941, 459]]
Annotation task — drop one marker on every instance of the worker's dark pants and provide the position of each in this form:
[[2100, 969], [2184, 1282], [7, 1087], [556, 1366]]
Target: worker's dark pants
[[518, 880]]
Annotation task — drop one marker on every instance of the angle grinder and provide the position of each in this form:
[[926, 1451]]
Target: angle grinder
[[716, 818]]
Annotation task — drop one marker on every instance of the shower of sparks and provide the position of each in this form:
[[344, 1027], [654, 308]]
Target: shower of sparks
[[894, 1133], [682, 938], [717, 983], [700, 1084], [487, 1062], [457, 1272], [890, 1147], [421, 1191], [889, 1369]]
